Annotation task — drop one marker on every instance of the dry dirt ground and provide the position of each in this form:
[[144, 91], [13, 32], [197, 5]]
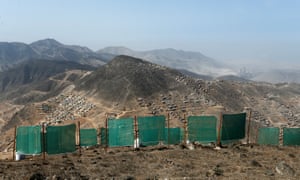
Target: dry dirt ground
[[159, 162]]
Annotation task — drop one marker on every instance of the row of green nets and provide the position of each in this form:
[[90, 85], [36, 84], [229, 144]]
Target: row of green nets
[[120, 132], [270, 136], [58, 139], [151, 130]]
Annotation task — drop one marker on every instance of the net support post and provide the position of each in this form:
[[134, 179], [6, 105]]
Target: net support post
[[106, 133], [185, 128], [136, 145], [79, 138], [44, 142], [249, 111], [14, 148], [168, 116], [219, 129]]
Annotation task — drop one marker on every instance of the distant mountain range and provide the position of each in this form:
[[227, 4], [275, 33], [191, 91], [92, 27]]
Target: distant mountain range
[[48, 49], [194, 62], [190, 63]]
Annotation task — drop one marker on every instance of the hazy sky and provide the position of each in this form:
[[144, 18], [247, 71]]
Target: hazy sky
[[235, 31]]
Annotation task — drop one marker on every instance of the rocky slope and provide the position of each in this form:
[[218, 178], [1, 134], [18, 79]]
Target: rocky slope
[[33, 77], [128, 78]]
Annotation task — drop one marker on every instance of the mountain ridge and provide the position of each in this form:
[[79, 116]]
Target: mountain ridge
[[12, 53], [195, 62]]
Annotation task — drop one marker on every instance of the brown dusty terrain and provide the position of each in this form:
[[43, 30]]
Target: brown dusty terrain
[[235, 162], [134, 93]]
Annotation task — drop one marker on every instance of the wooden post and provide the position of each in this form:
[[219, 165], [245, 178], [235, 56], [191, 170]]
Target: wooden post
[[135, 132], [98, 135], [106, 133], [44, 141], [248, 128], [219, 129], [168, 130], [256, 133], [79, 137], [14, 148], [185, 128]]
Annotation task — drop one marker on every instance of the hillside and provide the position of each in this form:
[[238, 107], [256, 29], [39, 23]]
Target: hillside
[[128, 78], [12, 53], [147, 88], [58, 92], [34, 71], [34, 76]]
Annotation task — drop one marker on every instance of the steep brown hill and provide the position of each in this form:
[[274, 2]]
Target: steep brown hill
[[128, 77]]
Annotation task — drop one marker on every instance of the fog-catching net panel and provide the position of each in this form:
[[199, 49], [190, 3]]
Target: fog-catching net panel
[[151, 130], [61, 139], [29, 140], [233, 126], [268, 136], [173, 136], [202, 128], [291, 136], [103, 136], [88, 137], [120, 132]]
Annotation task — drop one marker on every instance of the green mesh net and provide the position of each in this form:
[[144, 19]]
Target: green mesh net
[[103, 136], [268, 136], [202, 129], [233, 127], [29, 140], [120, 132], [88, 137], [173, 136], [291, 136], [151, 130], [61, 139]]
